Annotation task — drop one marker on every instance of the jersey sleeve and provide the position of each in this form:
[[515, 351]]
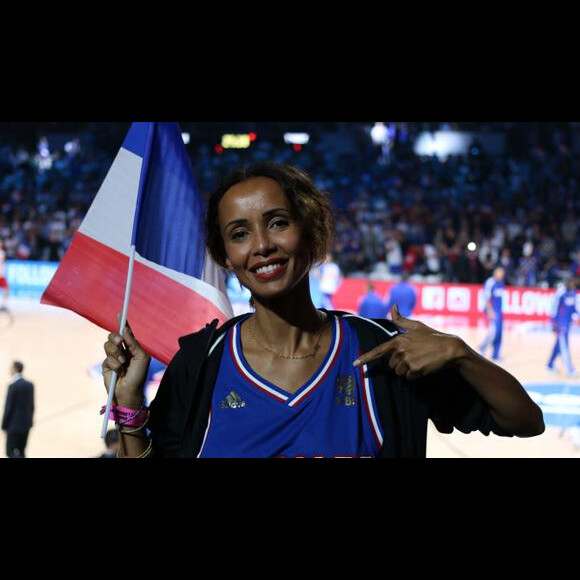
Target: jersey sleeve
[[454, 404]]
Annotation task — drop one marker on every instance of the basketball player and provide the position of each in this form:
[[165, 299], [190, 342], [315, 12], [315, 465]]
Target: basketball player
[[404, 295], [290, 380], [371, 305], [493, 292], [329, 279], [563, 311]]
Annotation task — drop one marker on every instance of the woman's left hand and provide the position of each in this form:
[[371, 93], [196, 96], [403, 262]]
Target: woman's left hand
[[418, 352]]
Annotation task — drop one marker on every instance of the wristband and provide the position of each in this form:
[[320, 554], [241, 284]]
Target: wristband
[[128, 417]]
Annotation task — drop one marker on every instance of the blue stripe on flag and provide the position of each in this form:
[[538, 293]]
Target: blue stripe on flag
[[169, 225], [136, 139]]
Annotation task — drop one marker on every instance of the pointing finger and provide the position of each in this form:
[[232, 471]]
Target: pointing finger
[[376, 353]]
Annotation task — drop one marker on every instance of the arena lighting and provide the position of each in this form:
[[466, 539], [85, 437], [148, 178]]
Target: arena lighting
[[186, 138], [43, 147], [44, 156], [233, 141], [472, 246], [296, 138], [443, 143], [379, 134], [72, 147]]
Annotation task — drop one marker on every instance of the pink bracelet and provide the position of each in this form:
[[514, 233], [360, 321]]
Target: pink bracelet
[[128, 417]]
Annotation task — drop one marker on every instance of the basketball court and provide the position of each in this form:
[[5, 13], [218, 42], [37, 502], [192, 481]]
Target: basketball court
[[59, 349]]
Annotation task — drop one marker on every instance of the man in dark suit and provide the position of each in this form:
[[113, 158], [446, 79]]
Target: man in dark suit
[[18, 412]]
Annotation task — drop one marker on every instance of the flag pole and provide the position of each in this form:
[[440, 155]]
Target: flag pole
[[121, 330], [142, 184]]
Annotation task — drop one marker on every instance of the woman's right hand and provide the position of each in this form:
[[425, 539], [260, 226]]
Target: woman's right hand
[[127, 358]]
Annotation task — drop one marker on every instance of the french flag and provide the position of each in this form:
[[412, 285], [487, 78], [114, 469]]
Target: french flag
[[149, 199]]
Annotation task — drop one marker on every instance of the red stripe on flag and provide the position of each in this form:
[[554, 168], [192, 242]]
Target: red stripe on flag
[[91, 282]]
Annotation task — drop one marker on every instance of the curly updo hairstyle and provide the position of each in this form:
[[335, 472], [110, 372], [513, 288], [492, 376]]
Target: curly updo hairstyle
[[310, 207]]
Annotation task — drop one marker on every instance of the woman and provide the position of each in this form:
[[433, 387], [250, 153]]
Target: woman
[[290, 380]]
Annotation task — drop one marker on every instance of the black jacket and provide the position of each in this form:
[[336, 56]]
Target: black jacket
[[180, 411], [19, 407]]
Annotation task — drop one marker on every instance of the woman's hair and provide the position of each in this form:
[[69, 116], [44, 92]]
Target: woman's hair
[[310, 207]]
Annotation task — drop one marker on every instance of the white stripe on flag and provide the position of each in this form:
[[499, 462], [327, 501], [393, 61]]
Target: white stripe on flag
[[106, 221]]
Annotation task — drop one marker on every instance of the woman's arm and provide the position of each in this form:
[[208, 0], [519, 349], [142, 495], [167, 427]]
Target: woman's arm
[[126, 357], [510, 405], [421, 351]]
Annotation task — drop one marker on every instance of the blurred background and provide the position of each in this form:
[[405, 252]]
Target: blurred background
[[441, 204]]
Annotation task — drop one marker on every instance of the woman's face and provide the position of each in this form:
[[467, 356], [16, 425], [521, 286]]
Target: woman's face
[[263, 243]]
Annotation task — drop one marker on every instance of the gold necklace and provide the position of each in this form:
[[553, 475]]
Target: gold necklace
[[282, 356]]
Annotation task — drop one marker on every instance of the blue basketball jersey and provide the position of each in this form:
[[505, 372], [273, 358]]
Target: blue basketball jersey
[[493, 292], [564, 306], [332, 415], [372, 306], [404, 296]]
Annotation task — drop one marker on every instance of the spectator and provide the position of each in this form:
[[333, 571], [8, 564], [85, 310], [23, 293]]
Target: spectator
[[394, 254], [574, 268], [432, 264], [527, 273], [466, 198], [569, 231], [506, 262]]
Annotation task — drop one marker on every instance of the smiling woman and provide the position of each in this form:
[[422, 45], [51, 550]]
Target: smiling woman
[[290, 380], [263, 239], [308, 206]]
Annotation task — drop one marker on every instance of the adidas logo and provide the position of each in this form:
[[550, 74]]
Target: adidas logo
[[233, 401]]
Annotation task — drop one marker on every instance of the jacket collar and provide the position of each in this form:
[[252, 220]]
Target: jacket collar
[[15, 377], [221, 331]]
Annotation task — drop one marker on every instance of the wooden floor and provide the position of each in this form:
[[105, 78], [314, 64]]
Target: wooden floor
[[59, 348]]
